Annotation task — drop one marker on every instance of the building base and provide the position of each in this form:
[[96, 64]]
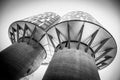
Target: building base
[[19, 60], [71, 64]]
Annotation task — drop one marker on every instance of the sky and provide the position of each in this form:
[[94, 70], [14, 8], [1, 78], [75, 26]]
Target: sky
[[106, 12]]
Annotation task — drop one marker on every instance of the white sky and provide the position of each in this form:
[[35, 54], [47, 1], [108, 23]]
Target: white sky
[[104, 11]]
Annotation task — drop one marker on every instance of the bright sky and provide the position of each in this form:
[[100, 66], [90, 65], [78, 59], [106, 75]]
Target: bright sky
[[104, 11]]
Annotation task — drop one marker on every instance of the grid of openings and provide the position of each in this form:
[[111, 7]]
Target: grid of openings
[[44, 20], [79, 15]]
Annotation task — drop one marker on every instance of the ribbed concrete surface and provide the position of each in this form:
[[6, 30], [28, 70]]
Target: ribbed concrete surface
[[19, 60], [71, 64]]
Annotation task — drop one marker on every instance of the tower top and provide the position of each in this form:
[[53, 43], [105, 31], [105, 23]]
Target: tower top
[[75, 29], [80, 30]]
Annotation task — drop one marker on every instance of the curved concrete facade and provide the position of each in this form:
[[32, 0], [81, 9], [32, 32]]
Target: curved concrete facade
[[71, 64], [19, 60]]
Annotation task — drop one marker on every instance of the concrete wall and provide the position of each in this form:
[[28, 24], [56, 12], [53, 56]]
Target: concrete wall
[[19, 60], [71, 64]]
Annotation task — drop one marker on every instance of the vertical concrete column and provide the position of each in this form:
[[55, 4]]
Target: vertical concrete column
[[71, 64], [19, 60]]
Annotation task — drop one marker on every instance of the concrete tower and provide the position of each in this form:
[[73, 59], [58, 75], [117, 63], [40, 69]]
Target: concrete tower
[[26, 53], [82, 47]]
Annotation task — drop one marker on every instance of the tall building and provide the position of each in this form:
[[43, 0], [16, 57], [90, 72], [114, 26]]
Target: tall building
[[26, 53], [75, 46]]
